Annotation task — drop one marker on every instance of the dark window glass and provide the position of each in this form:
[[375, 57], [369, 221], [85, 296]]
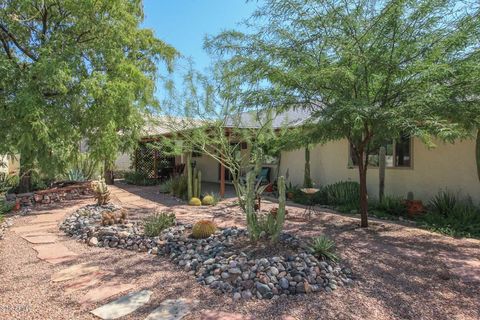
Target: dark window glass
[[402, 152]]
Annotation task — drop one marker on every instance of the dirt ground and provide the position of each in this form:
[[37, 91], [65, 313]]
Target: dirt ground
[[401, 272]]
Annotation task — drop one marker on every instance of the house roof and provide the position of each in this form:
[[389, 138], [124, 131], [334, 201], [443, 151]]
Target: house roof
[[289, 118], [163, 125]]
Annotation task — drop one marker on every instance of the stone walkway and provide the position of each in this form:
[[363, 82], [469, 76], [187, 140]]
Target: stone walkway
[[98, 285]]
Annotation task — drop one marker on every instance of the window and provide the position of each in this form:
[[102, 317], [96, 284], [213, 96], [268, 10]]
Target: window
[[398, 154]]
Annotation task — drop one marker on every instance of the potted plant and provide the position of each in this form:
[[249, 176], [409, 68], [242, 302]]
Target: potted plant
[[414, 207]]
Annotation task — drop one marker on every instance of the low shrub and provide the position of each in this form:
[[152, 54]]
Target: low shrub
[[195, 202], [323, 247], [443, 203], [342, 193], [166, 186], [179, 187], [389, 206], [5, 207], [203, 229], [139, 179], [158, 222], [8, 182], [452, 215]]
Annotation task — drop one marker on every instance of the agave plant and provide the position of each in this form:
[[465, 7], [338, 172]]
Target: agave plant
[[323, 247]]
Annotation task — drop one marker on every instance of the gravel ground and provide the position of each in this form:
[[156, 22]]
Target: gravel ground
[[401, 273]]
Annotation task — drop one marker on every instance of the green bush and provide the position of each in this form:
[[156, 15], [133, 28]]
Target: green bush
[[443, 203], [449, 214], [389, 206], [155, 224], [166, 186], [8, 182], [139, 179], [179, 187], [342, 193], [323, 247]]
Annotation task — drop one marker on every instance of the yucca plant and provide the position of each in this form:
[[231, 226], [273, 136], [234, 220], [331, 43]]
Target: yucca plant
[[443, 203], [323, 247]]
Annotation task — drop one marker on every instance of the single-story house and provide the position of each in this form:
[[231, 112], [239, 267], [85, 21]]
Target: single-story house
[[411, 165]]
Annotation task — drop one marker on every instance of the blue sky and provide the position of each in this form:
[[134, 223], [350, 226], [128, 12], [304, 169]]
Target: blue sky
[[184, 23]]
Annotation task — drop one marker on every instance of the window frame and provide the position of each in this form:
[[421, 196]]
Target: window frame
[[350, 164]]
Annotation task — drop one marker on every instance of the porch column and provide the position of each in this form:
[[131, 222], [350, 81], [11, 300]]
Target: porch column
[[222, 180]]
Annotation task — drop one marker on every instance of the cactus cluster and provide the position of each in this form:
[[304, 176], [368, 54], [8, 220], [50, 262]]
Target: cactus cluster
[[203, 229], [194, 179], [101, 192], [113, 217], [195, 202]]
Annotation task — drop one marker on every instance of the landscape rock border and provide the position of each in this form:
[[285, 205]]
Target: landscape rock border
[[214, 261]]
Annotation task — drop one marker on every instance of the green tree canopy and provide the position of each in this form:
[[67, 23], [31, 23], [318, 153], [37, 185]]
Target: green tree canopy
[[73, 70], [369, 70]]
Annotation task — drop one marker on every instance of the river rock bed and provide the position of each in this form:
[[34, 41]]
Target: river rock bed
[[218, 261]]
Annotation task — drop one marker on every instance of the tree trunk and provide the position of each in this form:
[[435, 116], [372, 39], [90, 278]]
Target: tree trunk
[[381, 172], [108, 174], [362, 169], [25, 182], [478, 153]]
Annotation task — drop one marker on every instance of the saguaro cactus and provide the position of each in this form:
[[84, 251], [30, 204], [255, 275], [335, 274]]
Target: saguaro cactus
[[478, 153], [189, 175], [280, 216]]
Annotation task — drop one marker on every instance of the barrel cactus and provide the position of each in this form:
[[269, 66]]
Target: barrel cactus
[[208, 200], [195, 202], [203, 229]]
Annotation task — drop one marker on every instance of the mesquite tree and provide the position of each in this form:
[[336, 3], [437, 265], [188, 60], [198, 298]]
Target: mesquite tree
[[73, 71], [369, 70]]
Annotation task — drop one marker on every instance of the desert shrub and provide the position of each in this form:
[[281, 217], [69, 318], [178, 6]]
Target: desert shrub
[[139, 179], [5, 207], [179, 186], [195, 202], [166, 186], [158, 222], [443, 203], [389, 206], [83, 167], [323, 247], [8, 182], [452, 215], [342, 193], [203, 229]]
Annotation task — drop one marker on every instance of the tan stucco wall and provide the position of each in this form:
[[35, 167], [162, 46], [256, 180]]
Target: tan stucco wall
[[449, 166], [12, 164]]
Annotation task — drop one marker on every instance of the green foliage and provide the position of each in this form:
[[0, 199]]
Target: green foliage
[[389, 206], [208, 200], [195, 202], [444, 203], [323, 247], [203, 229], [369, 70], [158, 222], [7, 182], [452, 215], [342, 193], [84, 167], [74, 70], [179, 187], [5, 207], [166, 186], [138, 178]]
